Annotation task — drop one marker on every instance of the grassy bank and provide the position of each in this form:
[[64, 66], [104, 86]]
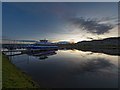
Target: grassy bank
[[0, 71], [13, 77]]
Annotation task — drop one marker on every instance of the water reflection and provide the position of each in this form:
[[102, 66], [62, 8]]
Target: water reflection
[[70, 68], [95, 65], [42, 54]]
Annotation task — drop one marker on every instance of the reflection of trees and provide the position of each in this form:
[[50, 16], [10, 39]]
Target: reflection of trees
[[105, 51], [87, 54]]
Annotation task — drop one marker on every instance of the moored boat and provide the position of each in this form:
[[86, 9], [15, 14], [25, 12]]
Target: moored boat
[[43, 45]]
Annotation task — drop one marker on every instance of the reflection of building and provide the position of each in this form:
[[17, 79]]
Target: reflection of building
[[43, 54]]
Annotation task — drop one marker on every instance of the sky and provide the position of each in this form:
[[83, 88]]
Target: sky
[[60, 0], [59, 21]]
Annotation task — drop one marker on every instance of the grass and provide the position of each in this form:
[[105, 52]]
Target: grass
[[0, 71], [13, 77]]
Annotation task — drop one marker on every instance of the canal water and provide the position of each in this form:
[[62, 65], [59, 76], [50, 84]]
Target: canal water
[[70, 69]]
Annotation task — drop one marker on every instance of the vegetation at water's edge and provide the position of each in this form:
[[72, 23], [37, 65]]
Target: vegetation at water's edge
[[13, 77], [0, 71], [107, 46]]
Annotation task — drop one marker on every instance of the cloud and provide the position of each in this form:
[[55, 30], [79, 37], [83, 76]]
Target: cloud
[[91, 25], [109, 18], [90, 38]]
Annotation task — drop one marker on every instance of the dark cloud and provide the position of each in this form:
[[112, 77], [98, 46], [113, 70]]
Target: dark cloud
[[118, 23], [109, 18], [91, 25], [90, 38]]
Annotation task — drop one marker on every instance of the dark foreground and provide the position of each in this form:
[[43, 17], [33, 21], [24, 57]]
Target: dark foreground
[[13, 77]]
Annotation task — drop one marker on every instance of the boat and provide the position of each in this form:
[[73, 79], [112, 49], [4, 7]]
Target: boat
[[12, 53], [43, 45]]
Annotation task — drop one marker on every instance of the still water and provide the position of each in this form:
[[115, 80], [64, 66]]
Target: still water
[[70, 69]]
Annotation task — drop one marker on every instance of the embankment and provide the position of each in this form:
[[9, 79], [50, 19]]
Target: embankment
[[12, 77]]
